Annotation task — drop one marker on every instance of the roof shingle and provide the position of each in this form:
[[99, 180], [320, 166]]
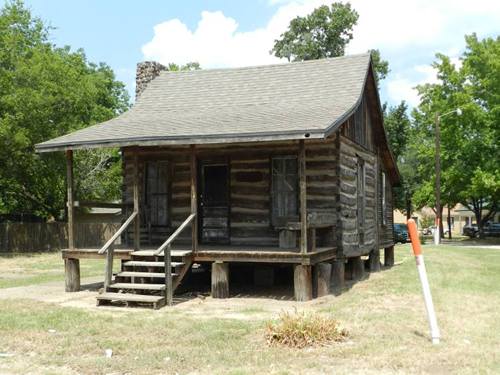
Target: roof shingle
[[283, 101]]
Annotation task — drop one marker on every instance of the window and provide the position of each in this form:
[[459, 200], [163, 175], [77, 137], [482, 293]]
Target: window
[[284, 189], [157, 193], [361, 198], [383, 198]]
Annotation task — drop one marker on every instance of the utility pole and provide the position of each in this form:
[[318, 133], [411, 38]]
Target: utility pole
[[437, 233]]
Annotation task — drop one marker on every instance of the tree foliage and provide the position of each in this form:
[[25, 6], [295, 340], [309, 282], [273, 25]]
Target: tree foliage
[[323, 33], [397, 125], [399, 131], [187, 67], [47, 92], [469, 143]]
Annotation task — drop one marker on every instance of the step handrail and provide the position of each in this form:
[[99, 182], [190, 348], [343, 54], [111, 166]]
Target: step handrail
[[118, 233], [108, 248], [167, 258], [174, 235]]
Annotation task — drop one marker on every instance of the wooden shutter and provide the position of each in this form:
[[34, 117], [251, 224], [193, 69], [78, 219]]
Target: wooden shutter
[[361, 197], [157, 192], [284, 189]]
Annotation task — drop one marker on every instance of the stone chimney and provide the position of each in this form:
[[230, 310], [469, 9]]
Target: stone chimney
[[146, 71]]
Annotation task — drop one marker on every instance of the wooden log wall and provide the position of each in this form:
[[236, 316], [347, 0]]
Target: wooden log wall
[[250, 187], [179, 202], [349, 154], [386, 232]]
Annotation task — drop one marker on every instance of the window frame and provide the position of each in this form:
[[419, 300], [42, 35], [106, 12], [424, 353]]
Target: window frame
[[383, 197], [361, 197], [282, 220], [148, 194]]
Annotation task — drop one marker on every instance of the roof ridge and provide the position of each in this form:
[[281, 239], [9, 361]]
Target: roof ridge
[[284, 63]]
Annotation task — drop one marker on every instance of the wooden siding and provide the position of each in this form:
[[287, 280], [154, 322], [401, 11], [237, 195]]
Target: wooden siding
[[359, 127], [250, 188], [350, 152], [386, 233]]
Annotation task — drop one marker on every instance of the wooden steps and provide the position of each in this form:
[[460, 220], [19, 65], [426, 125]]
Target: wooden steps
[[139, 263], [151, 253], [156, 301], [142, 279], [144, 286], [159, 275]]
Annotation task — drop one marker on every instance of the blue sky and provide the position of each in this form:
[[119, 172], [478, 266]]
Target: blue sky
[[238, 33]]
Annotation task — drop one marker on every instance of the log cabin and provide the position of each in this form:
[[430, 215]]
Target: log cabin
[[269, 165]]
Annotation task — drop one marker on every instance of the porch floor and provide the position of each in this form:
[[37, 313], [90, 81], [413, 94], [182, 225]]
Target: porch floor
[[221, 253]]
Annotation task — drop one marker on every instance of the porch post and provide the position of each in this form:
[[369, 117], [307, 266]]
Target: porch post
[[70, 203], [303, 196], [194, 200], [137, 221]]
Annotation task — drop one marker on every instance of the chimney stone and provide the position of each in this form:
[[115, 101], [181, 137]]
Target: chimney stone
[[146, 71]]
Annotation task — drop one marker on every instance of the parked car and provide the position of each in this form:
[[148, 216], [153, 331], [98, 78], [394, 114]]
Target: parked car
[[400, 233], [489, 230], [470, 230], [430, 230]]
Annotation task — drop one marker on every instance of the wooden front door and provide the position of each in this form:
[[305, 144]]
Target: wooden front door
[[214, 202]]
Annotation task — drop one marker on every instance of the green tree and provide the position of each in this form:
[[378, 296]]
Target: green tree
[[323, 33], [398, 127], [469, 143], [380, 66], [189, 66], [46, 92]]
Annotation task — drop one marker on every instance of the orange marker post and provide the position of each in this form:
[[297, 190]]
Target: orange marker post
[[419, 258]]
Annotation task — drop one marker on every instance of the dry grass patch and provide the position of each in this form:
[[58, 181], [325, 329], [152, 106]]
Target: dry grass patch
[[299, 330]]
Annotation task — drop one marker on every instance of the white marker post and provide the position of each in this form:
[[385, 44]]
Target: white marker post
[[419, 258]]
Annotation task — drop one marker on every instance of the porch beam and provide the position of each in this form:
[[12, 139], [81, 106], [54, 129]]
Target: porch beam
[[137, 222], [194, 199], [71, 199], [303, 196]]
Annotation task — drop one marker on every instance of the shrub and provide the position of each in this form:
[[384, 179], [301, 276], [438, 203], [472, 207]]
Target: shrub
[[299, 330]]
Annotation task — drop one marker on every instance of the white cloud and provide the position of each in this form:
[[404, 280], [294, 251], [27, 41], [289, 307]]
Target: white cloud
[[405, 31], [403, 88], [216, 41]]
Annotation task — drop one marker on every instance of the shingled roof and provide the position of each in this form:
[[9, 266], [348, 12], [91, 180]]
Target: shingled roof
[[273, 102]]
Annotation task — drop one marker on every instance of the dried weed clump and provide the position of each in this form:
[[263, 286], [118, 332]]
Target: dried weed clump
[[299, 330]]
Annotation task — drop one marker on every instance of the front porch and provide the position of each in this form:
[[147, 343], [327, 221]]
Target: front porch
[[231, 217], [219, 253], [218, 256]]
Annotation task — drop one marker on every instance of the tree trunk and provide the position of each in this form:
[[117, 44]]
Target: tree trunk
[[449, 223], [441, 227], [479, 221]]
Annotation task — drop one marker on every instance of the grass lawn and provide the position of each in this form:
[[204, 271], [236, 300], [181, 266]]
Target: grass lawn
[[384, 315], [30, 269]]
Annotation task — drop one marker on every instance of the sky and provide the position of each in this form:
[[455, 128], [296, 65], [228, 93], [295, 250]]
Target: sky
[[235, 33]]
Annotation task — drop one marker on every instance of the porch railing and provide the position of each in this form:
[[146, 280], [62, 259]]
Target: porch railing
[[167, 256], [108, 248]]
